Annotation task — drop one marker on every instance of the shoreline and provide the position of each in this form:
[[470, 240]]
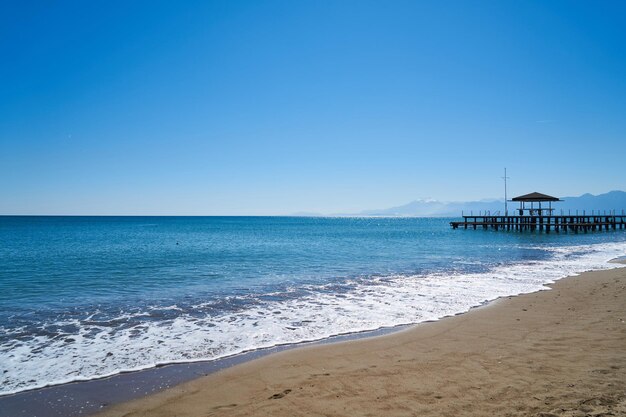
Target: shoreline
[[556, 352], [78, 398]]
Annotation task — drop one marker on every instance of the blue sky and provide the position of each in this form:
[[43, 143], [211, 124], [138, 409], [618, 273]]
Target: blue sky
[[275, 107]]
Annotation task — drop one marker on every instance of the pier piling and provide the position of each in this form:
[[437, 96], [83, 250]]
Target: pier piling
[[546, 223]]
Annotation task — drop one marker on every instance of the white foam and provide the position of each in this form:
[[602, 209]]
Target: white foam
[[99, 351]]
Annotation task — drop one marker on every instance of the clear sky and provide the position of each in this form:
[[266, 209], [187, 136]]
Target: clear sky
[[275, 107]]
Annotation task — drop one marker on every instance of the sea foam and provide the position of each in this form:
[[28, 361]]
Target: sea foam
[[95, 349]]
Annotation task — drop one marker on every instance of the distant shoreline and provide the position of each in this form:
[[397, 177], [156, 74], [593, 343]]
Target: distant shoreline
[[425, 208]]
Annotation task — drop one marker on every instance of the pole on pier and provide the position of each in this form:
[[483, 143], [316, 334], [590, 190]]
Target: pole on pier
[[506, 211]]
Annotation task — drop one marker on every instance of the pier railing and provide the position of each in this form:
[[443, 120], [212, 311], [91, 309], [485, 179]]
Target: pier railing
[[545, 223]]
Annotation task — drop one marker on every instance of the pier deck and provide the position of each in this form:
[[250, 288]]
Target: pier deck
[[546, 223]]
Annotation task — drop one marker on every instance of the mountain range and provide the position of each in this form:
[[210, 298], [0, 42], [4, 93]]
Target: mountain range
[[613, 200]]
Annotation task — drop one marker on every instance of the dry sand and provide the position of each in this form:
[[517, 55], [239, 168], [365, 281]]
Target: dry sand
[[551, 353]]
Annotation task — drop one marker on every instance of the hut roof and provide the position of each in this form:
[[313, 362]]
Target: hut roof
[[535, 197]]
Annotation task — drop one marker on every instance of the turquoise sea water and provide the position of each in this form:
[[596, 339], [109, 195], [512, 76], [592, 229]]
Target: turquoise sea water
[[85, 297]]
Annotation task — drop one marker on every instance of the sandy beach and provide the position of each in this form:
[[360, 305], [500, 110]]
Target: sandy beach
[[551, 353]]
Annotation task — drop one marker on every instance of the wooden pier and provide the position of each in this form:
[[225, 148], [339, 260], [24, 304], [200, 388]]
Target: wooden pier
[[563, 223], [538, 218]]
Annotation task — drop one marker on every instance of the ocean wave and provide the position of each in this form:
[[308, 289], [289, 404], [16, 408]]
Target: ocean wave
[[79, 349]]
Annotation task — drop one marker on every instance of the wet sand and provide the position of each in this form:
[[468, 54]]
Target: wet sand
[[551, 353]]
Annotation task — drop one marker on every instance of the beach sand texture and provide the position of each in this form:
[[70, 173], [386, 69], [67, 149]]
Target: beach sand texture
[[552, 353]]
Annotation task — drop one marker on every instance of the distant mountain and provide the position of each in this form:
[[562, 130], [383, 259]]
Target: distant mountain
[[433, 208], [614, 200]]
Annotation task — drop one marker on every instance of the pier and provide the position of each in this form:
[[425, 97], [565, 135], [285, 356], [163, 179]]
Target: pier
[[543, 219]]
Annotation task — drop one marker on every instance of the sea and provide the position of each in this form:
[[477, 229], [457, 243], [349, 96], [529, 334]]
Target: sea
[[88, 297]]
